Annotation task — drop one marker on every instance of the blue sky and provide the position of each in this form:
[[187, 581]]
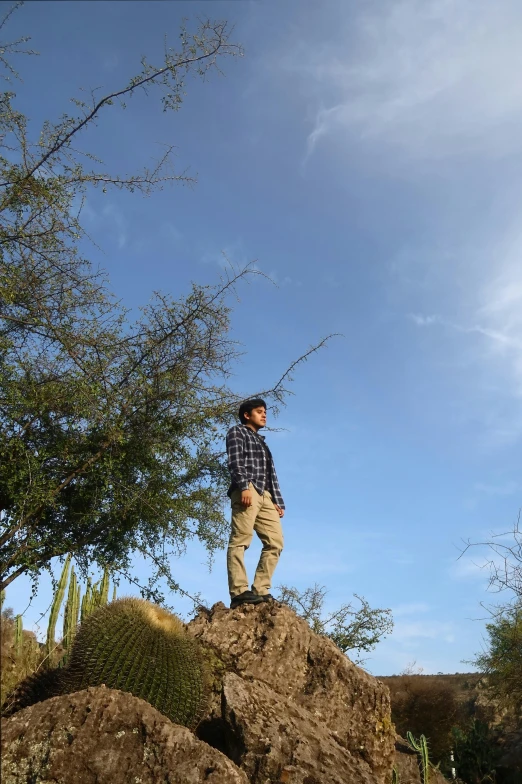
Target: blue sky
[[369, 158]]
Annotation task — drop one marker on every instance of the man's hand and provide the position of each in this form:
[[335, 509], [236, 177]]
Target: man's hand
[[246, 497], [279, 511]]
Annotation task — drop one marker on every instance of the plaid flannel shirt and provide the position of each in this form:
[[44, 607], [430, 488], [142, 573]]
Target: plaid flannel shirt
[[250, 460]]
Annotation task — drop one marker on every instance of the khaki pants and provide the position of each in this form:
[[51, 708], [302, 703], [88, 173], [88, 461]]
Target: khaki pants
[[263, 518]]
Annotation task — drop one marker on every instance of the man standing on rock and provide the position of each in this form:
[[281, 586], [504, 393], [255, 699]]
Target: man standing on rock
[[257, 505]]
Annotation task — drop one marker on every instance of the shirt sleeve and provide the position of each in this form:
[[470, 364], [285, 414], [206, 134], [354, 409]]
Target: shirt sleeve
[[235, 453]]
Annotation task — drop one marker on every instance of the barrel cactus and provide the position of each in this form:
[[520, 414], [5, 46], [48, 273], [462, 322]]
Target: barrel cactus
[[137, 647], [41, 685]]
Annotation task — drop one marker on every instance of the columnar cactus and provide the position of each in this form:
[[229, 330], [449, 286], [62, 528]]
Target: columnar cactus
[[96, 595], [70, 616], [55, 608], [104, 588], [19, 632], [421, 747], [86, 605]]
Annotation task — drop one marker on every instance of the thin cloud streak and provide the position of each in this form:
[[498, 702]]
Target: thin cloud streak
[[429, 77]]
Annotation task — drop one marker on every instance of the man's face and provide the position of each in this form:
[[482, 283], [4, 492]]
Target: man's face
[[257, 417]]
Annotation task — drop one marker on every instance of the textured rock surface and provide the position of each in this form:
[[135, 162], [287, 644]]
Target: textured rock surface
[[273, 739], [101, 736], [270, 644]]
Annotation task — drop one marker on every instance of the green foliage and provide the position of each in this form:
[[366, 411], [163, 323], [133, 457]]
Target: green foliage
[[501, 661], [476, 753], [351, 629], [137, 647], [421, 747], [102, 449], [111, 431], [396, 778]]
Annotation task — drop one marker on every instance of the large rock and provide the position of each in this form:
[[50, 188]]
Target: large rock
[[268, 643], [273, 739], [102, 736]]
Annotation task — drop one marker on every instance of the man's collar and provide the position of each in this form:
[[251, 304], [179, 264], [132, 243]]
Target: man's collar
[[255, 432]]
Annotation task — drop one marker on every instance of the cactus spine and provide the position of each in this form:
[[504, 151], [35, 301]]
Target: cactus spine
[[55, 608], [138, 647], [19, 639], [421, 747], [134, 646]]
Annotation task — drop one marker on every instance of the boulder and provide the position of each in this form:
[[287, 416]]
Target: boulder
[[316, 690], [103, 736], [273, 739]]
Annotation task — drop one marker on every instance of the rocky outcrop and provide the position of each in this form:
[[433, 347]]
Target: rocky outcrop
[[102, 736], [291, 706], [287, 707]]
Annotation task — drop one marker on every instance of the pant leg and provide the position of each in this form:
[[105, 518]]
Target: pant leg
[[268, 527], [242, 531]]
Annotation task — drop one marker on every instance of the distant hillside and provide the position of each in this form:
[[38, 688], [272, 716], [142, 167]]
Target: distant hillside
[[433, 705]]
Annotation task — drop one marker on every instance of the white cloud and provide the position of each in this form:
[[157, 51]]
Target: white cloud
[[501, 488], [477, 566], [232, 256], [428, 77], [115, 218], [109, 219], [401, 86], [410, 609], [172, 233], [430, 629], [480, 326], [424, 321]]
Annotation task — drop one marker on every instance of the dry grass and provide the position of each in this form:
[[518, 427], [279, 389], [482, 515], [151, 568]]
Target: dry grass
[[15, 666]]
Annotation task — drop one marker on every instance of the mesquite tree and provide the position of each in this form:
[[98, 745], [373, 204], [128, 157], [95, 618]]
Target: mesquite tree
[[111, 437]]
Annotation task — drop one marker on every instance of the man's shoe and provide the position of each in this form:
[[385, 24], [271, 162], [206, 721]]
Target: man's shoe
[[266, 597], [247, 597]]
